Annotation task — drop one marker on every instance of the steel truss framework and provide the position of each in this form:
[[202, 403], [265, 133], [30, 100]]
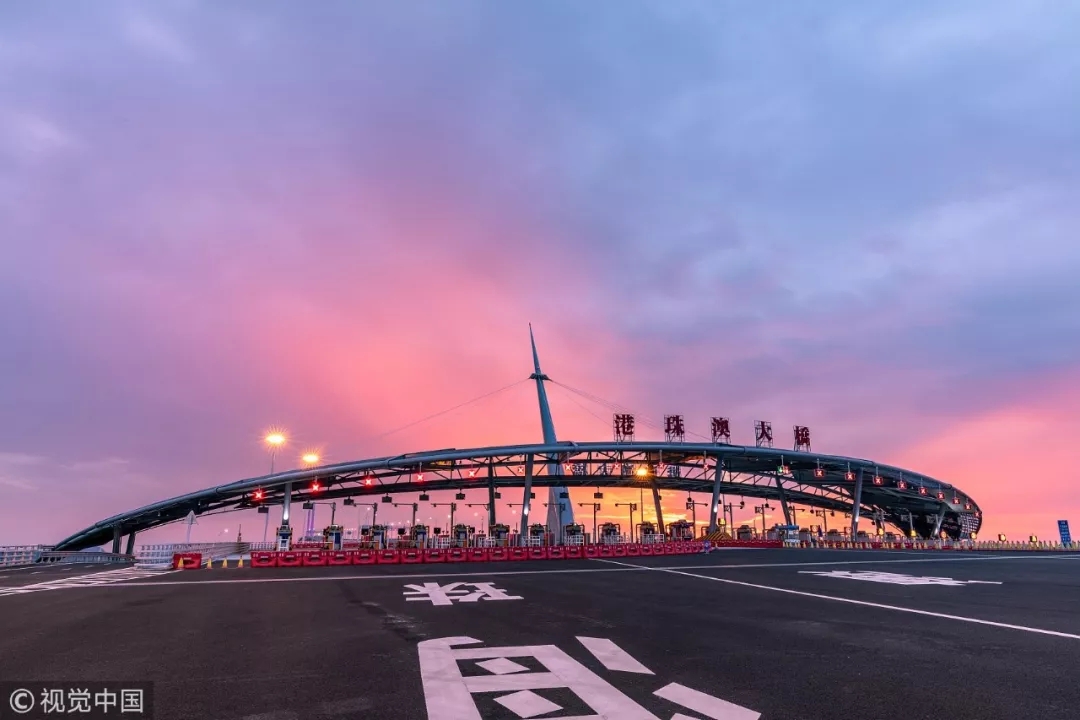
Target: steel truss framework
[[908, 500]]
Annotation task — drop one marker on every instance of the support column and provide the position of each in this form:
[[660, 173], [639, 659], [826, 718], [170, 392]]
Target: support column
[[937, 524], [116, 539], [656, 504], [718, 477], [491, 494], [130, 545], [783, 500], [857, 504], [526, 497], [285, 504]]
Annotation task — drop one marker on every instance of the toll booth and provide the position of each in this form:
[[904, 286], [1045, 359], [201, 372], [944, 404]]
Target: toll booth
[[745, 532], [500, 534], [284, 538], [789, 534], [610, 533], [332, 535], [460, 535], [378, 536], [681, 530], [574, 535], [418, 535], [647, 532], [538, 534]]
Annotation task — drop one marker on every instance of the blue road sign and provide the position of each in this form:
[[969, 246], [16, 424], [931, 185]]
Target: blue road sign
[[1063, 530]]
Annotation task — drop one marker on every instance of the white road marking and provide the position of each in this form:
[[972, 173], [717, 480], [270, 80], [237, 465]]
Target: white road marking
[[95, 579], [438, 594], [707, 705], [612, 656], [479, 572], [864, 603], [527, 704], [448, 694], [501, 666], [893, 578]]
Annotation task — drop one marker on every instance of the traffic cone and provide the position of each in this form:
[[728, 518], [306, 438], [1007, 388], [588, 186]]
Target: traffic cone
[[209, 563], [240, 563]]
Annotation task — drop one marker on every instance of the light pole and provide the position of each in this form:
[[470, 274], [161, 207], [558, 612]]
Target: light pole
[[633, 508], [483, 505], [562, 506], [452, 506], [275, 440], [595, 509], [761, 509], [691, 505]]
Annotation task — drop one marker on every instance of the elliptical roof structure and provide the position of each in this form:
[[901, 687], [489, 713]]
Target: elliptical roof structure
[[909, 500]]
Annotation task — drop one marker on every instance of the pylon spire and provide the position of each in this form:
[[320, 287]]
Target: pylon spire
[[560, 511], [547, 425]]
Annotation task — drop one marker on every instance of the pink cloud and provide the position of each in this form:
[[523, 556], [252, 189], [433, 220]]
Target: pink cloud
[[1018, 462]]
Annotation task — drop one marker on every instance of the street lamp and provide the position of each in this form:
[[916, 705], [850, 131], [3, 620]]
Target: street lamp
[[633, 509], [595, 509], [691, 505], [274, 440], [761, 509]]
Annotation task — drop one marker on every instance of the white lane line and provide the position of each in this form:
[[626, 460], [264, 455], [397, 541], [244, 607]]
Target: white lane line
[[612, 656], [410, 576], [488, 573], [978, 558], [707, 705], [864, 603]]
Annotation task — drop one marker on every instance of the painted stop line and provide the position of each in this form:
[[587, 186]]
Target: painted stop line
[[893, 578]]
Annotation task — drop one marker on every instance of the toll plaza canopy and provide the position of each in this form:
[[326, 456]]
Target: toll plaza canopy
[[908, 500]]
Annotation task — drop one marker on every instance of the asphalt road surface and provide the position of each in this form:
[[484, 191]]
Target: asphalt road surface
[[734, 635]]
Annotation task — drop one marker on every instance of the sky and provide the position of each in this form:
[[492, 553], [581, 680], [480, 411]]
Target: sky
[[338, 218]]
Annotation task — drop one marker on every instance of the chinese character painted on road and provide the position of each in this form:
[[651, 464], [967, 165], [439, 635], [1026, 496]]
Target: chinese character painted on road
[[449, 694], [460, 592], [893, 578], [52, 700], [131, 701]]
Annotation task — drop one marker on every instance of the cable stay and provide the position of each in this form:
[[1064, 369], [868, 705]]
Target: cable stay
[[459, 406]]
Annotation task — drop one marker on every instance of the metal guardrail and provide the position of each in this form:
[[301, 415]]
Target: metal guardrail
[[162, 554], [15, 555]]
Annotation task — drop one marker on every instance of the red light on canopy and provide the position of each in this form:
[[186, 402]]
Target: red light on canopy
[[819, 473], [849, 475], [472, 473], [922, 491], [877, 480], [940, 495], [258, 494], [315, 486], [368, 480]]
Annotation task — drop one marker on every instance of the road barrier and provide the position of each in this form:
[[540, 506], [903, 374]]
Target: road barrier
[[264, 559], [371, 556], [187, 561]]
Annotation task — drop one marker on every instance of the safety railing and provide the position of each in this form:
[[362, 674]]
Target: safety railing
[[14, 555], [162, 554]]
